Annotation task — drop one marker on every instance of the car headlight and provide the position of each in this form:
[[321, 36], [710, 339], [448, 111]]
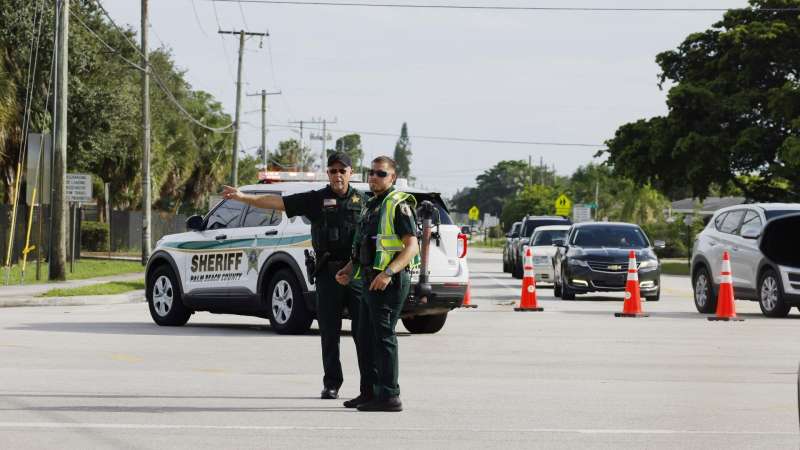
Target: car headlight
[[648, 264], [578, 262], [541, 260]]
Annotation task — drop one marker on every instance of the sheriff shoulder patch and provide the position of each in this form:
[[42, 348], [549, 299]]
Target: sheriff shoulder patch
[[405, 209]]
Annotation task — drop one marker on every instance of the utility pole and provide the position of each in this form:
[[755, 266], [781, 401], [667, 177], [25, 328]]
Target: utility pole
[[146, 189], [264, 95], [323, 137], [235, 163], [58, 262]]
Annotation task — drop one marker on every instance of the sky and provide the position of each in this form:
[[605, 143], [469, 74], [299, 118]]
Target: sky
[[533, 76]]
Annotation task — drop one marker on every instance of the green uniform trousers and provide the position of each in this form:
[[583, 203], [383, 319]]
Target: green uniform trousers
[[332, 298], [382, 310]]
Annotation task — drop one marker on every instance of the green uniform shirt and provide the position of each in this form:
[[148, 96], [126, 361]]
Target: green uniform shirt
[[334, 219]]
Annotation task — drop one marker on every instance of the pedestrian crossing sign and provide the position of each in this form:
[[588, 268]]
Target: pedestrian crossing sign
[[563, 205]]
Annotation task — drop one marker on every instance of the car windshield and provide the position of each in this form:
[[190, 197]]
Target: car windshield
[[545, 237], [617, 237], [777, 213]]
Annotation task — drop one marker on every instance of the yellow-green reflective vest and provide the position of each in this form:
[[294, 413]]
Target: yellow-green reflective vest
[[388, 243]]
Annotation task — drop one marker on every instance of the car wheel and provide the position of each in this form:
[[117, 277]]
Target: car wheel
[[704, 299], [164, 298], [287, 307], [516, 271], [770, 295], [425, 324], [566, 292], [556, 289]]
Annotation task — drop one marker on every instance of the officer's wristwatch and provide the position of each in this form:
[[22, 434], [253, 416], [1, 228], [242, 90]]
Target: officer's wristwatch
[[389, 272]]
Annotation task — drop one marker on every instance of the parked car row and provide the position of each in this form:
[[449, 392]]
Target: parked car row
[[584, 257], [761, 238]]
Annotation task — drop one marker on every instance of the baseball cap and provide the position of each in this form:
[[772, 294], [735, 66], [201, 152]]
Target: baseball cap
[[340, 157]]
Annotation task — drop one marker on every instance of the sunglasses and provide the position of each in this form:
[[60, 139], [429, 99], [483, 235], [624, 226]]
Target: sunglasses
[[378, 173], [335, 171]]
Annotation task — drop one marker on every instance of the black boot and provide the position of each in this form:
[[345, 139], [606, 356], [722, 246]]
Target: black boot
[[329, 394], [362, 398], [390, 404]]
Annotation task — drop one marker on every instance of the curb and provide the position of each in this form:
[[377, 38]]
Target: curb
[[128, 297]]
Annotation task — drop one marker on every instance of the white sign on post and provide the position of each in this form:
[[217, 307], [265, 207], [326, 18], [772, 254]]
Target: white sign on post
[[79, 188], [581, 213]]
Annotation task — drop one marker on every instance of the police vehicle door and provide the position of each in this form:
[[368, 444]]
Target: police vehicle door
[[259, 234], [217, 260]]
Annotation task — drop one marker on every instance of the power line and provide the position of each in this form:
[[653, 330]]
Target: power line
[[498, 7], [197, 19], [454, 138], [159, 82]]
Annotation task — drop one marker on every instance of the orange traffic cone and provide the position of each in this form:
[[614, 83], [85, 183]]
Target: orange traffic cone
[[633, 301], [527, 301], [466, 303], [726, 309]]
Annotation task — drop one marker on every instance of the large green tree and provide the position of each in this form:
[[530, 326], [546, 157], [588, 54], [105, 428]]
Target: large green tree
[[104, 136], [351, 144], [402, 153], [291, 156], [734, 111]]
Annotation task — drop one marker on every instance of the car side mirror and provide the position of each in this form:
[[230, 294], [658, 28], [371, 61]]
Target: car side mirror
[[559, 242], [659, 244], [751, 234], [194, 223]]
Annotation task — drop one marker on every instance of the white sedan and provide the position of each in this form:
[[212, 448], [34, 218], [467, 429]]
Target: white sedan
[[541, 245]]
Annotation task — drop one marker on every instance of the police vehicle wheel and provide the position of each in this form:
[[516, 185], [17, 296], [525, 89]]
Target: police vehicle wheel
[[164, 298], [287, 308], [770, 295], [704, 299], [566, 292], [425, 324]]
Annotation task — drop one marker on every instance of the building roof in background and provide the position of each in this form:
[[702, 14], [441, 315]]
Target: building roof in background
[[707, 207]]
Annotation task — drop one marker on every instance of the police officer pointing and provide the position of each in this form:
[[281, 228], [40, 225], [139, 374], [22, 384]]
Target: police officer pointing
[[334, 213], [384, 250]]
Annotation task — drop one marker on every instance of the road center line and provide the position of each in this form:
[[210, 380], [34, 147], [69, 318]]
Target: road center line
[[142, 426]]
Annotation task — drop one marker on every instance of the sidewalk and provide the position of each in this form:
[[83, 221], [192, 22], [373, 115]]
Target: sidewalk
[[28, 295]]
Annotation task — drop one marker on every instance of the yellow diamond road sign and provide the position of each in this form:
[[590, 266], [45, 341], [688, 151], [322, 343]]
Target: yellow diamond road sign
[[563, 205], [474, 214]]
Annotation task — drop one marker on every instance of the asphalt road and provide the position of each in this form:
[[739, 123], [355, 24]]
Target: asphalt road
[[573, 376]]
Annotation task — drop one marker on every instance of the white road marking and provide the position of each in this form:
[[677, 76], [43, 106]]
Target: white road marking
[[142, 426]]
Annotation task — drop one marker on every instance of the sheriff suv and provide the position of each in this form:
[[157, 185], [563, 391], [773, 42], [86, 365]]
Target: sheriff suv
[[238, 259]]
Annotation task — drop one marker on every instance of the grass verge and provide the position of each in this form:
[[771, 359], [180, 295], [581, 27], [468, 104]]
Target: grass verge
[[84, 268], [112, 288], [675, 268]]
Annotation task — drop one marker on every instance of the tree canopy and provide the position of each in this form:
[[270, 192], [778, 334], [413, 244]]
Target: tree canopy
[[104, 109], [734, 111], [402, 153]]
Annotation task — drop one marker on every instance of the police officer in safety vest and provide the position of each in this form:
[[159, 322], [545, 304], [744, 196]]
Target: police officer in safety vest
[[334, 213], [385, 250]]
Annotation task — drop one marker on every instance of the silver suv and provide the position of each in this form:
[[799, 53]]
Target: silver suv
[[737, 229]]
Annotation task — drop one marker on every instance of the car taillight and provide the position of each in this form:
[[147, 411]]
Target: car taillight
[[461, 246]]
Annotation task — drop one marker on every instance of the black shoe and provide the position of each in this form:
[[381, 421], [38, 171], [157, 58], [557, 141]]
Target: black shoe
[[391, 404], [329, 394], [360, 400]]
